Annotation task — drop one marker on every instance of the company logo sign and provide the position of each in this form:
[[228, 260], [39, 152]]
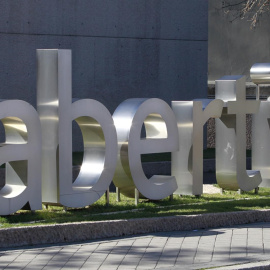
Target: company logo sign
[[38, 147]]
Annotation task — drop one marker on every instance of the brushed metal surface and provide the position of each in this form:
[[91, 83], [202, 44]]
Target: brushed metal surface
[[56, 110], [260, 147], [231, 135], [21, 152], [161, 136], [187, 163], [260, 73]]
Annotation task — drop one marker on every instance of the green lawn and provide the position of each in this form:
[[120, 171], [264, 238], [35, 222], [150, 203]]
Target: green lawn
[[185, 205]]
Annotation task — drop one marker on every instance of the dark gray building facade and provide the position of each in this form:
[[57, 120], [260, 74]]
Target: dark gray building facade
[[121, 49]]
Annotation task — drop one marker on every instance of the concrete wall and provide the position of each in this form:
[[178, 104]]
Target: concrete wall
[[121, 48], [233, 46]]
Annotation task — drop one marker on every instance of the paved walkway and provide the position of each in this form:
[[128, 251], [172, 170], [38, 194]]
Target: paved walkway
[[170, 250]]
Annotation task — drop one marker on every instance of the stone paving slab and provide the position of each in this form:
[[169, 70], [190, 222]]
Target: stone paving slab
[[193, 249]]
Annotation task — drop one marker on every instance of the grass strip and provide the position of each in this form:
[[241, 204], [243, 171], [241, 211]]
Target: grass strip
[[185, 205]]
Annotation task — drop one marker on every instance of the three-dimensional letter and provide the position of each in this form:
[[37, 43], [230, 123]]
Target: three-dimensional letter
[[231, 135], [161, 136]]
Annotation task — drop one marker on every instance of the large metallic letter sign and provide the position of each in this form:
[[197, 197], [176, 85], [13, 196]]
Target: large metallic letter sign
[[260, 74], [100, 154], [187, 163], [161, 136], [231, 135], [57, 113], [22, 154], [261, 149]]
